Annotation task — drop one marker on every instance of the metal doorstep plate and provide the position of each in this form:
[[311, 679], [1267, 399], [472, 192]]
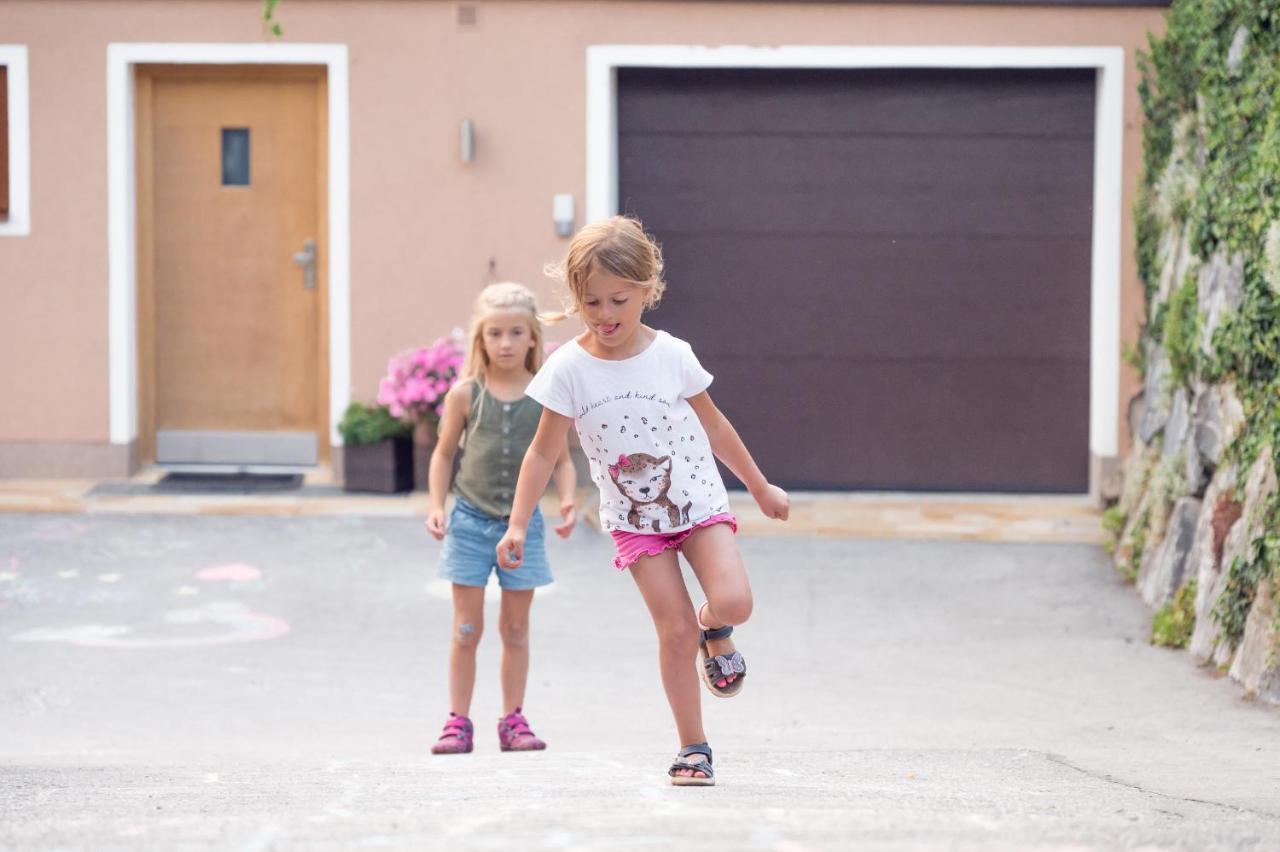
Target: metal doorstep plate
[[226, 483], [181, 446]]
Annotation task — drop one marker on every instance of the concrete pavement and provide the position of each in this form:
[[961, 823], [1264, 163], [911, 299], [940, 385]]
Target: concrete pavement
[[246, 682]]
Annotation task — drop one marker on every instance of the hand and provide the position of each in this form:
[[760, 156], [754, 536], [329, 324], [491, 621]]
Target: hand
[[569, 513], [435, 523], [773, 501], [511, 549]]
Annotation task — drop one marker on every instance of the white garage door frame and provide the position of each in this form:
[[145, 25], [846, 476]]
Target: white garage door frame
[[603, 61]]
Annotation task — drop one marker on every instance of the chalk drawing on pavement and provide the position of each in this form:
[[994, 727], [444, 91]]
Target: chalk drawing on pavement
[[234, 622]]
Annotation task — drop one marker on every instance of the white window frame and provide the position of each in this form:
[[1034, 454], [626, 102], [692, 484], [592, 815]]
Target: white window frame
[[1109, 62], [18, 222]]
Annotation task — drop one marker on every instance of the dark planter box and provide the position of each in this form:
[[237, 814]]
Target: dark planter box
[[385, 467]]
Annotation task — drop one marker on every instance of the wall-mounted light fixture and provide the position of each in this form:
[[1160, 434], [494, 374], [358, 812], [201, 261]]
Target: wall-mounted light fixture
[[467, 140], [562, 214]]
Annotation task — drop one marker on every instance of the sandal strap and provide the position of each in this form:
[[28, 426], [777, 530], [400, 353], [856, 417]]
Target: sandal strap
[[703, 766], [718, 633], [698, 766]]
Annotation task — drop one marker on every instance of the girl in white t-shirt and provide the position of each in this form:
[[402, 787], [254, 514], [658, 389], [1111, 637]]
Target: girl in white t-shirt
[[638, 398]]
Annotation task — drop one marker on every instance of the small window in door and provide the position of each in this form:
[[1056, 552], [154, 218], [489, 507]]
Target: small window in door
[[235, 156], [15, 148], [4, 143]]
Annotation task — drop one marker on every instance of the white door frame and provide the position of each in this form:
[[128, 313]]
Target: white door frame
[[1109, 62], [122, 209]]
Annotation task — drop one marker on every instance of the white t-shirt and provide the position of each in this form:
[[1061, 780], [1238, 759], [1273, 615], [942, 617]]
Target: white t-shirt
[[649, 454]]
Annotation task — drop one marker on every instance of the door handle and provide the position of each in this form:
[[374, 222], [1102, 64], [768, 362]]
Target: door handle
[[307, 260]]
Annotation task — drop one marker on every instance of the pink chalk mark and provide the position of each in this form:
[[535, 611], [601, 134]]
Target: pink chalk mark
[[236, 572]]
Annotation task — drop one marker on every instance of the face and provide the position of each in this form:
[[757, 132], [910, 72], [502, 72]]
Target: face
[[644, 479], [611, 308], [507, 338]]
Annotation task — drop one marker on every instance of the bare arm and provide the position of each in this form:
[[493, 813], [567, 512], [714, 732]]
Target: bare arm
[[566, 479], [457, 405], [535, 471], [728, 447]]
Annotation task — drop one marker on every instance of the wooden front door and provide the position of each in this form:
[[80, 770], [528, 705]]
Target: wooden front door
[[231, 259]]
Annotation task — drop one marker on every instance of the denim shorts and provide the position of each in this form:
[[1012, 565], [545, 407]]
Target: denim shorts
[[470, 552]]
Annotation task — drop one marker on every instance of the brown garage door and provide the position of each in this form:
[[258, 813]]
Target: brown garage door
[[887, 270]]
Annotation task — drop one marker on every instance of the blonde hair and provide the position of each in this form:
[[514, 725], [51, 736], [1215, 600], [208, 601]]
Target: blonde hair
[[506, 296], [618, 245]]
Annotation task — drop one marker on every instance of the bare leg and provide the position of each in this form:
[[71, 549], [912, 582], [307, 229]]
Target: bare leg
[[513, 625], [717, 563], [662, 586], [468, 625]]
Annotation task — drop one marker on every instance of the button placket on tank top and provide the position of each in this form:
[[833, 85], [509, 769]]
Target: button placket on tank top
[[503, 494]]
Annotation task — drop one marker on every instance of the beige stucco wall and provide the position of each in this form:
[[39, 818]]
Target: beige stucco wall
[[424, 226]]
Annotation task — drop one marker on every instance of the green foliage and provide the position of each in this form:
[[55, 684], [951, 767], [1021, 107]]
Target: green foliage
[[269, 22], [1246, 572], [1232, 607], [1186, 72], [1223, 123], [1113, 521], [1147, 228], [1167, 483], [1137, 543], [1182, 331], [1154, 328], [369, 424], [1135, 357], [1173, 623]]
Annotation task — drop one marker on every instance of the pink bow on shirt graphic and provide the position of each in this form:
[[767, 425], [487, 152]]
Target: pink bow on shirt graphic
[[623, 461]]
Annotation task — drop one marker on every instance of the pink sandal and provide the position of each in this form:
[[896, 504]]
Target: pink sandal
[[457, 737], [514, 733]]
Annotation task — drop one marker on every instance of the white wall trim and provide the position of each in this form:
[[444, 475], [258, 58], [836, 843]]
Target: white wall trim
[[1104, 359], [18, 223], [122, 209]]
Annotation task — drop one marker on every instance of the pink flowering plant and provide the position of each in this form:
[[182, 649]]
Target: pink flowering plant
[[418, 379]]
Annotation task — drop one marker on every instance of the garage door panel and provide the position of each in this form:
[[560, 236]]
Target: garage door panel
[[875, 424], [887, 272], [875, 297], [1052, 102], [916, 186]]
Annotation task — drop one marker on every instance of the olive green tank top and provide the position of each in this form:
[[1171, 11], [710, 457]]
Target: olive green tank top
[[498, 434]]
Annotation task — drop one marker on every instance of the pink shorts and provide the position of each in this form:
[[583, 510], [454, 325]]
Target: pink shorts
[[631, 546]]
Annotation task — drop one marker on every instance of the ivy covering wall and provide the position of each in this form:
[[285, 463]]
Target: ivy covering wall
[[1198, 524]]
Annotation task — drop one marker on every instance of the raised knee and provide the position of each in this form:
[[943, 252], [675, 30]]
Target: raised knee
[[514, 635], [466, 634], [734, 609]]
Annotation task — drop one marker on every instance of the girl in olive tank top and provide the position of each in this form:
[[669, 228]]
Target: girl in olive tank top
[[488, 413]]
